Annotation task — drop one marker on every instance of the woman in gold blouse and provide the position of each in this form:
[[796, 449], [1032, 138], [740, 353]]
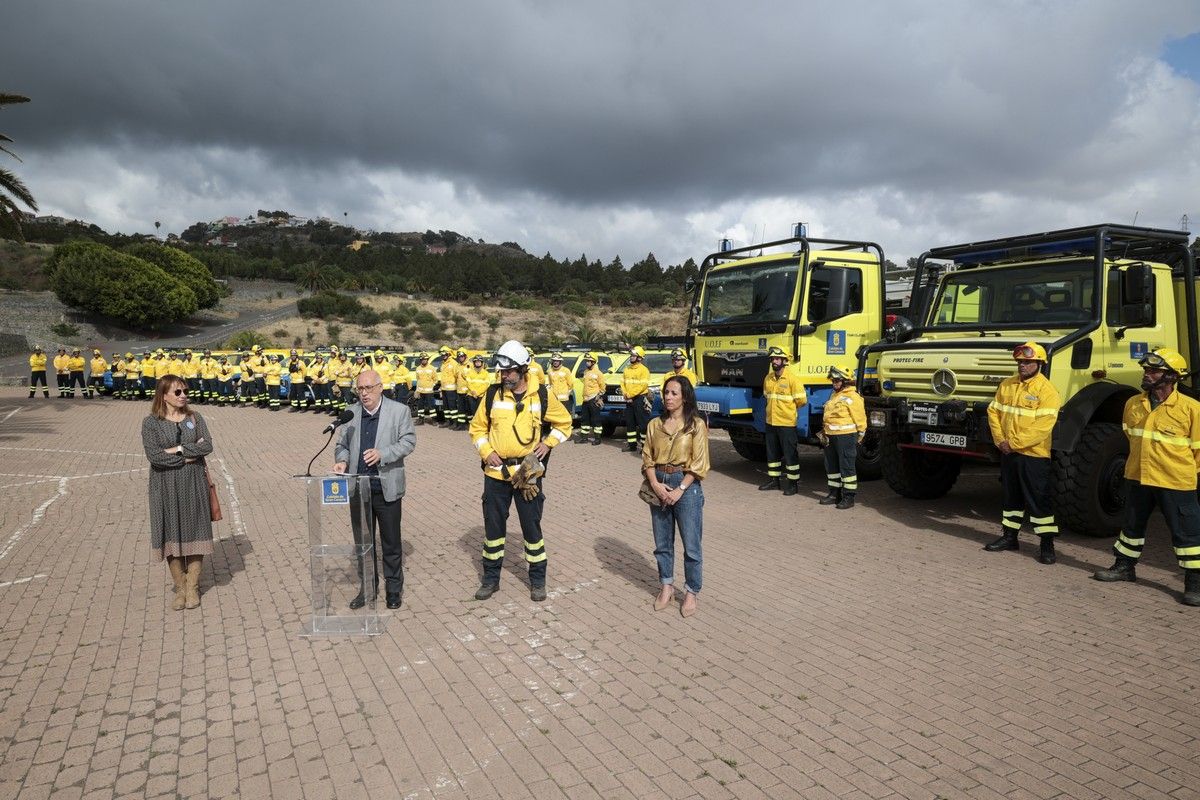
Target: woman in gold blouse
[[675, 460]]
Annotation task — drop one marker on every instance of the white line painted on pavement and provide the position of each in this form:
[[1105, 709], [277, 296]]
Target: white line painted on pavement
[[234, 505], [46, 478], [73, 452], [6, 584], [9, 414], [38, 513]]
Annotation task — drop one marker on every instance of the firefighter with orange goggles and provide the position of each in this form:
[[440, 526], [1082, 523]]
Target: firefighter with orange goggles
[[1021, 417]]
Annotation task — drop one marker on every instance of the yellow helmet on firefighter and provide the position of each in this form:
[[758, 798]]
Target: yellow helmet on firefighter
[[556, 357], [1030, 351], [637, 350], [378, 354], [1166, 359], [777, 352], [678, 353], [129, 355], [460, 353], [444, 350], [590, 357], [839, 374]]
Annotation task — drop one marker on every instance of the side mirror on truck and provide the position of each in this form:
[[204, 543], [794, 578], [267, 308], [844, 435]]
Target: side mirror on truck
[[1137, 296]]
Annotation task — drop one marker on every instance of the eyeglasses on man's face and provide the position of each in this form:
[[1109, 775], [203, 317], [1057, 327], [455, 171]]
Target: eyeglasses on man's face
[[368, 387]]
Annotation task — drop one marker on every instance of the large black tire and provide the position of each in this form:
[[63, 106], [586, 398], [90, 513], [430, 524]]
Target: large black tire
[[869, 461], [749, 448], [919, 474], [1089, 482]]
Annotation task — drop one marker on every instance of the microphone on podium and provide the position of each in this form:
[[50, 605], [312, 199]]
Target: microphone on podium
[[342, 419]]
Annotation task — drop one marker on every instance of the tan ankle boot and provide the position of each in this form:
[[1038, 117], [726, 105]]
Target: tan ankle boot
[[193, 581], [175, 564]]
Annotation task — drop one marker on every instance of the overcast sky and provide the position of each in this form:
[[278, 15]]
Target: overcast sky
[[614, 128]]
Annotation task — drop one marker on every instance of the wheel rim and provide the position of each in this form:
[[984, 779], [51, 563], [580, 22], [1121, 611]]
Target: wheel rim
[[1112, 487]]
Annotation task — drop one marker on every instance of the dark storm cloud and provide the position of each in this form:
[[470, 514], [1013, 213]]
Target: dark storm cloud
[[614, 127], [591, 104]]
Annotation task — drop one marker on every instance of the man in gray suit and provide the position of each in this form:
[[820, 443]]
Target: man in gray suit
[[374, 443]]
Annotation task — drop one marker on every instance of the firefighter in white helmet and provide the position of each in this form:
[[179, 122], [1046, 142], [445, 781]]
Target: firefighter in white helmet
[[507, 432]]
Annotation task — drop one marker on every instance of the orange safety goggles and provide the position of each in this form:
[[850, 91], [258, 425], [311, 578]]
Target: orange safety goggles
[[1024, 352]]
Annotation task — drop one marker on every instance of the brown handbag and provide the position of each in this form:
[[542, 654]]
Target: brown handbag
[[214, 502]]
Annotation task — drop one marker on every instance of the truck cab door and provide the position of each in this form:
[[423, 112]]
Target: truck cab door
[[834, 322]]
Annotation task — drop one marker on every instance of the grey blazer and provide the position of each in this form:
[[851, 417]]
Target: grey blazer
[[395, 439]]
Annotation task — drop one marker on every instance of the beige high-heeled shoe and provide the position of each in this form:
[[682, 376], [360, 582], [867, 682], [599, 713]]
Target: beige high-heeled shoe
[[660, 602], [684, 609]]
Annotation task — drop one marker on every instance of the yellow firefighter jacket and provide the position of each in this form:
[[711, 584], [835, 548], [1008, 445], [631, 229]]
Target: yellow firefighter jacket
[[1023, 414], [561, 383], [37, 362], [845, 413], [635, 380], [426, 378], [784, 394], [478, 380], [513, 433], [593, 384], [1164, 444]]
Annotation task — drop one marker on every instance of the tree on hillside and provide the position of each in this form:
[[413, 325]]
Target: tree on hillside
[[12, 189], [179, 265], [104, 281], [313, 277]]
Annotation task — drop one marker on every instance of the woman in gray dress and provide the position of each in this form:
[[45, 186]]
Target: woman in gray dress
[[176, 441]]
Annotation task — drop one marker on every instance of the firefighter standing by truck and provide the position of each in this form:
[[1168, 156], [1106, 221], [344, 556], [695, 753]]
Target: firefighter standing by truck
[[448, 375], [592, 401], [426, 380], [635, 384], [561, 382], [784, 393], [1163, 427], [844, 423], [37, 371], [1021, 418], [297, 372], [507, 432], [679, 367], [133, 377], [478, 378], [118, 376]]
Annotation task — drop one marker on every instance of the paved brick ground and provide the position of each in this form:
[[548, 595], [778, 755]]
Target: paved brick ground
[[873, 653]]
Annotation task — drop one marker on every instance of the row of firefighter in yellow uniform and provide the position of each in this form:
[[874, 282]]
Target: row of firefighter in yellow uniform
[[325, 383], [1162, 424]]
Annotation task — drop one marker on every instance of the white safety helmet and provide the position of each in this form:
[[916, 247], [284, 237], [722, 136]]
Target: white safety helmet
[[511, 355]]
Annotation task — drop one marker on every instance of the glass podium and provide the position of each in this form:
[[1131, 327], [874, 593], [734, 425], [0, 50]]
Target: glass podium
[[342, 557]]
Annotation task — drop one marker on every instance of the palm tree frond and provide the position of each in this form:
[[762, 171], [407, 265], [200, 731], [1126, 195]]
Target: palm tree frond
[[13, 185]]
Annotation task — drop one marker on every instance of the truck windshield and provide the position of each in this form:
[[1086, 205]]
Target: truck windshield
[[1054, 295], [758, 293]]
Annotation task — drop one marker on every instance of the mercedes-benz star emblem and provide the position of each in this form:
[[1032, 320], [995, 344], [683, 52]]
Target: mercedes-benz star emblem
[[944, 382]]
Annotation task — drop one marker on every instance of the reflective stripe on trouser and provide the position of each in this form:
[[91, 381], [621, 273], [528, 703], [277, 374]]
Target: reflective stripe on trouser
[[839, 461], [636, 419], [36, 378], [498, 498], [589, 418], [450, 406], [1179, 508], [781, 452], [1027, 482]]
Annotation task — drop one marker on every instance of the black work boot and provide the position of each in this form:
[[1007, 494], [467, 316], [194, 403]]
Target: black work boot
[[486, 590], [1191, 587], [1122, 570], [834, 496], [595, 440], [1046, 553], [1007, 541], [772, 484], [537, 593], [847, 501], [789, 489], [631, 447]]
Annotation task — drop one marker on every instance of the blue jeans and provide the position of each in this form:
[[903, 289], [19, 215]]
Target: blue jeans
[[688, 515]]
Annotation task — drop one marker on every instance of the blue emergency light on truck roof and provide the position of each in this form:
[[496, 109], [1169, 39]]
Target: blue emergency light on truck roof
[[1086, 245]]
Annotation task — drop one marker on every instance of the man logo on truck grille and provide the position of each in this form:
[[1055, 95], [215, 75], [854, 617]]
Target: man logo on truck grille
[[944, 382]]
